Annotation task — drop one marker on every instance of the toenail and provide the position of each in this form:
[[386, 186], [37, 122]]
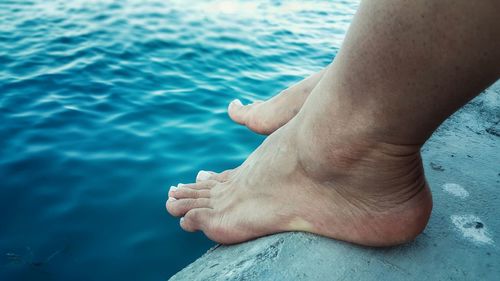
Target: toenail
[[181, 220], [172, 188], [170, 199], [203, 175], [237, 102], [180, 185]]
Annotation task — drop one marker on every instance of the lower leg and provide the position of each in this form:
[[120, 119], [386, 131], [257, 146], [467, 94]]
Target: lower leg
[[405, 66]]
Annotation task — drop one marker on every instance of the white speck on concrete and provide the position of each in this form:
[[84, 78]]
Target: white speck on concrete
[[456, 190], [472, 228]]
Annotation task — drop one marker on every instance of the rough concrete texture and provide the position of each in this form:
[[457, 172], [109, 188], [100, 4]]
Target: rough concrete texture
[[462, 163]]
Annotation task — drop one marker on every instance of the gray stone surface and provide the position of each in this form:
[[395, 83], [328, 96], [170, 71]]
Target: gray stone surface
[[462, 163]]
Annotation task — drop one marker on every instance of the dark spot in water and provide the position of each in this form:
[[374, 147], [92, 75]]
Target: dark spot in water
[[437, 167], [479, 225], [37, 263], [469, 156], [453, 155]]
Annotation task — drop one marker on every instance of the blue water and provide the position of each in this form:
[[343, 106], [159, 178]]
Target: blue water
[[105, 104]]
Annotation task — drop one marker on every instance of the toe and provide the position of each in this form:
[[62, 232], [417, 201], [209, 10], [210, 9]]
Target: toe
[[209, 175], [222, 176], [196, 219], [253, 116], [179, 207], [186, 192], [204, 175], [206, 184], [239, 112]]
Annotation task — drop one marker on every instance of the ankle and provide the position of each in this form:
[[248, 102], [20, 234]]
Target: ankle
[[327, 153]]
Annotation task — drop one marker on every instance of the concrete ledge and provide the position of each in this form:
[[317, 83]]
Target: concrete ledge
[[462, 162]]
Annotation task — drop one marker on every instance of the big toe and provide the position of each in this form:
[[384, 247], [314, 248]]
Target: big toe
[[255, 116], [208, 221], [196, 219], [238, 112]]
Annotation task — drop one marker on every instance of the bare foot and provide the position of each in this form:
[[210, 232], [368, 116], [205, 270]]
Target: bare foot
[[344, 187], [265, 117]]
